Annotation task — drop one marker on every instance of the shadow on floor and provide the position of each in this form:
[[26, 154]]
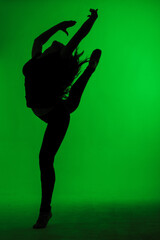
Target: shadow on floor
[[84, 222]]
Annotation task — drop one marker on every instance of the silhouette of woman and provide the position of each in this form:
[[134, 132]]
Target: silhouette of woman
[[52, 96]]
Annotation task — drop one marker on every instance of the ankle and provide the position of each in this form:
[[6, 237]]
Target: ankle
[[45, 209]]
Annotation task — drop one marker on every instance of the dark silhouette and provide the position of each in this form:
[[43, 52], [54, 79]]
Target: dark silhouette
[[52, 96]]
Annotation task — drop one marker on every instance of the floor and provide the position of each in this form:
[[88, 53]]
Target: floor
[[85, 221]]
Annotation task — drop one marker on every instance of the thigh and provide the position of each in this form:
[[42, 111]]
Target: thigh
[[59, 108], [58, 122]]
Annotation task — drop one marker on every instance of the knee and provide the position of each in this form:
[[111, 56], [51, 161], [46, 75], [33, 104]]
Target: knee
[[45, 160], [72, 107], [43, 154]]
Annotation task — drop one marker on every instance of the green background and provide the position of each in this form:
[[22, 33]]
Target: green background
[[112, 147]]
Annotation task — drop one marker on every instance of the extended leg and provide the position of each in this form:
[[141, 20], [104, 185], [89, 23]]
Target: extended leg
[[78, 87]]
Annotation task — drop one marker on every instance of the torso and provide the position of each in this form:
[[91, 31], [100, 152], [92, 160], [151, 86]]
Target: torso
[[43, 111]]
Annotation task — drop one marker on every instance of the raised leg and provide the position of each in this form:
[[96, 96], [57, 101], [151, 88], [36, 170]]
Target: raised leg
[[78, 87]]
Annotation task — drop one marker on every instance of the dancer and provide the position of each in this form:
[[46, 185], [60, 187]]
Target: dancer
[[52, 95]]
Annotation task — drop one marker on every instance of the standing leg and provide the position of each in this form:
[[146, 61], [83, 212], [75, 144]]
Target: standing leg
[[58, 121], [54, 134]]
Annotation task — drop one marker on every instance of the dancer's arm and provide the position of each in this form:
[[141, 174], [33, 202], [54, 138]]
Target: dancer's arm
[[82, 32], [44, 37], [73, 43]]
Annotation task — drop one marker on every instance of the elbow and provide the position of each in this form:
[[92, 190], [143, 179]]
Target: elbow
[[39, 41]]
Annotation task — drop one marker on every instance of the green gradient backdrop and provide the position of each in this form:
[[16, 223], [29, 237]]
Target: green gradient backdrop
[[111, 151]]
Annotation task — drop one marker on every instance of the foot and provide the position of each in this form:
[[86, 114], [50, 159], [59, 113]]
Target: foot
[[94, 59], [43, 220]]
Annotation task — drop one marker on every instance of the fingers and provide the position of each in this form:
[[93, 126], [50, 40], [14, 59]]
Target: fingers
[[67, 24], [93, 13], [71, 23], [65, 31], [93, 10]]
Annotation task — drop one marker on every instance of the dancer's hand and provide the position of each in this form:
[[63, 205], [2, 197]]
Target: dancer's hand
[[93, 13], [66, 24]]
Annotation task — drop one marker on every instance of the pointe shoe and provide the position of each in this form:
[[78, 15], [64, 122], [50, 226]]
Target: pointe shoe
[[94, 59], [42, 220]]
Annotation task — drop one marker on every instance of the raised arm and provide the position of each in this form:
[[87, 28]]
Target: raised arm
[[44, 37], [82, 32]]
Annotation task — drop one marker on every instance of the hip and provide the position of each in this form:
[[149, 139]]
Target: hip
[[58, 111], [42, 111]]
